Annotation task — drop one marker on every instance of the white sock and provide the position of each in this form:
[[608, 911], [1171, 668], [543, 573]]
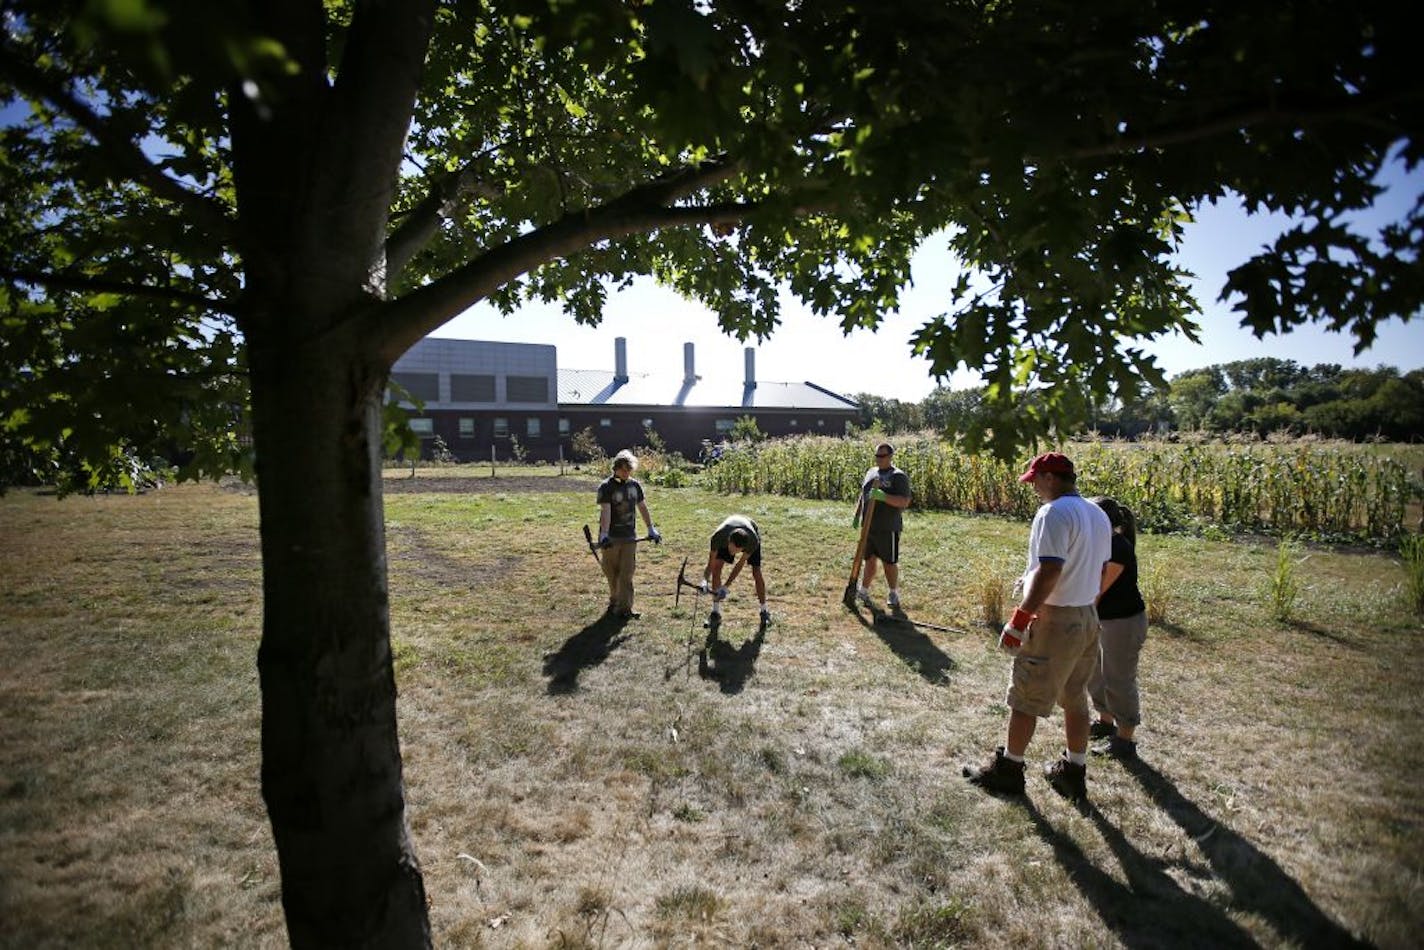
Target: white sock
[[1078, 758], [717, 609], [763, 606], [895, 592], [1011, 757]]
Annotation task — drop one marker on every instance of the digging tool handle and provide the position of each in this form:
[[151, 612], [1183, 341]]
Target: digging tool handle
[[860, 547]]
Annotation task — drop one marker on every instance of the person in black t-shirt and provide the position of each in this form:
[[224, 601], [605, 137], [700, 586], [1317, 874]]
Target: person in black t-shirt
[[737, 541], [1123, 615], [620, 500]]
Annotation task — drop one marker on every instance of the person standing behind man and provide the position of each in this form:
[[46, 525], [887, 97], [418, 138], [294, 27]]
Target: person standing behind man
[[889, 488], [1053, 634], [737, 541], [620, 500], [1123, 615]]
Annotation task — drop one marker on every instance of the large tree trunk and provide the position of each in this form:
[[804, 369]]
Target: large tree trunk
[[331, 765]]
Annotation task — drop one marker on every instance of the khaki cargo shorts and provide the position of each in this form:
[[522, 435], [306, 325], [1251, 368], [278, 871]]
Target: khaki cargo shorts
[[1054, 664]]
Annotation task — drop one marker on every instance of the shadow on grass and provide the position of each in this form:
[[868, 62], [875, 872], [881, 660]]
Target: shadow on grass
[[584, 650], [1151, 909], [730, 666], [1257, 882], [909, 643], [1324, 633]]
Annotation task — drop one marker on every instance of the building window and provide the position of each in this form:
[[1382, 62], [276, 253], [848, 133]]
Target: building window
[[531, 427], [501, 427], [422, 386], [467, 428], [793, 423], [526, 389], [647, 423], [725, 426], [425, 428], [467, 388], [820, 423], [563, 427], [605, 423]]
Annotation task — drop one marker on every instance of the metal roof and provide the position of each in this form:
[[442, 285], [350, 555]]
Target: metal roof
[[592, 387]]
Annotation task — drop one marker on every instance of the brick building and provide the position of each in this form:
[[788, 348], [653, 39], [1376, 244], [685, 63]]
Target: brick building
[[481, 398]]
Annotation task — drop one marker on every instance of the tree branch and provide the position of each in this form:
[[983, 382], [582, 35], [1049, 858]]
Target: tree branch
[[100, 285], [124, 156], [421, 223], [396, 325], [1364, 111]]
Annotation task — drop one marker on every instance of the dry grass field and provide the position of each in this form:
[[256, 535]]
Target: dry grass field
[[577, 784]]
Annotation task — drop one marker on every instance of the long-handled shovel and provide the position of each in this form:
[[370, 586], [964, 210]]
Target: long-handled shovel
[[859, 555]]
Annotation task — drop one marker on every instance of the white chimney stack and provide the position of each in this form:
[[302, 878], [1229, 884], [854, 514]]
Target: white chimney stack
[[689, 371], [751, 367], [620, 360]]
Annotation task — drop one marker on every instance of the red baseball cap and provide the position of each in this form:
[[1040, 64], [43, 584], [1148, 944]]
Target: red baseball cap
[[1055, 462]]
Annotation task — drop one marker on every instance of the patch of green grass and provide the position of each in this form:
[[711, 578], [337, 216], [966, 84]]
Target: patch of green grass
[[860, 764]]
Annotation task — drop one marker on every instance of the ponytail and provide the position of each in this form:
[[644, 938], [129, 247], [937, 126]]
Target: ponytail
[[1123, 521]]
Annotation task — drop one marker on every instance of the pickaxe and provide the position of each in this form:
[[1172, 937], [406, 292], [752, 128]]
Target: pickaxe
[[682, 582], [593, 548]]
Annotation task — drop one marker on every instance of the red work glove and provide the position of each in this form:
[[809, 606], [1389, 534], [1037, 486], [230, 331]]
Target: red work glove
[[1012, 636]]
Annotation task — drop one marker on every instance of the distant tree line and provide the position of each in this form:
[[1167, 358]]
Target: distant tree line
[[1262, 396]]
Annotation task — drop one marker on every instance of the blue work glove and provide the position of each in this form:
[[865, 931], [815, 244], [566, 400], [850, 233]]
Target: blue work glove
[[721, 594], [656, 535], [603, 541], [877, 494]]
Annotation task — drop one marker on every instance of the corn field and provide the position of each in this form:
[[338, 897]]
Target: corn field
[[1310, 489]]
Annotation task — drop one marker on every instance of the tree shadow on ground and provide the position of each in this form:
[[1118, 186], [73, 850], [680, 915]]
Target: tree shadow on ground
[[584, 650], [729, 666], [909, 643], [1257, 883], [1151, 909], [1324, 633]]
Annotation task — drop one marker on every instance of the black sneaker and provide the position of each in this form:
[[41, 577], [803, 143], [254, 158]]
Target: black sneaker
[[1102, 730], [1002, 775], [1067, 779], [628, 615], [1117, 747]]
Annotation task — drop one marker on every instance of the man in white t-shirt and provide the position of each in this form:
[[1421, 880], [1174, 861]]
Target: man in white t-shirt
[[1053, 634]]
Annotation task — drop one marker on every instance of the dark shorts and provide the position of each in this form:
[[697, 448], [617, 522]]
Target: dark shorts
[[725, 556], [884, 545]]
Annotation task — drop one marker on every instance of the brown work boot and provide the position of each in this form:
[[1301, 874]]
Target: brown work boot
[[1067, 779], [1002, 775]]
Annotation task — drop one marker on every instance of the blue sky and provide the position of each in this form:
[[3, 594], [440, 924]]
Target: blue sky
[[656, 322]]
